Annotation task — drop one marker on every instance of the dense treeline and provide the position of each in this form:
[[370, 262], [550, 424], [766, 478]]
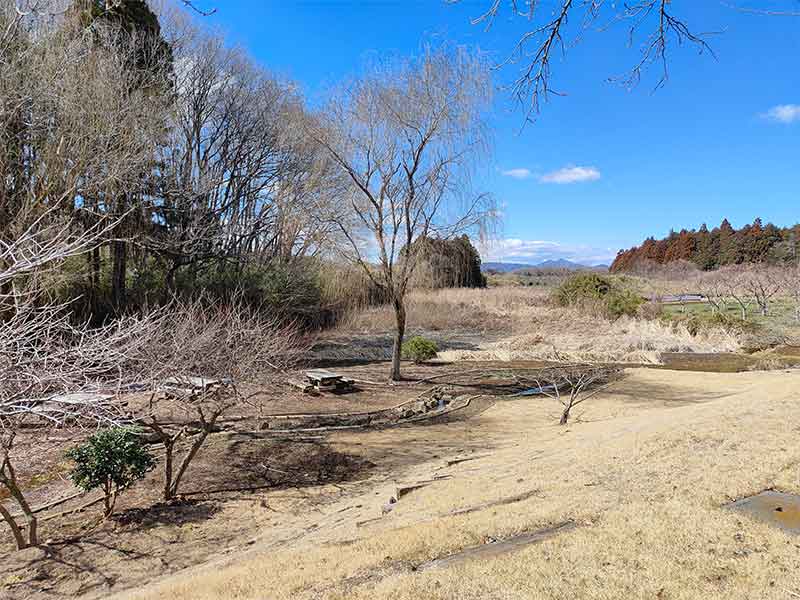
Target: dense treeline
[[202, 169], [719, 247]]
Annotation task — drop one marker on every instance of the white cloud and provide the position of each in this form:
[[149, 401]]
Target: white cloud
[[518, 173], [783, 113], [571, 174], [516, 250]]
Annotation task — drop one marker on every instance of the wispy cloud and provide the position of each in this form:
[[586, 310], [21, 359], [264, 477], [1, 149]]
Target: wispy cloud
[[536, 251], [783, 113], [571, 174], [518, 173]]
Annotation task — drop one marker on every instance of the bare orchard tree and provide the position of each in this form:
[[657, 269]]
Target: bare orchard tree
[[405, 136], [714, 288], [573, 384], [791, 285], [763, 283], [737, 280], [210, 353]]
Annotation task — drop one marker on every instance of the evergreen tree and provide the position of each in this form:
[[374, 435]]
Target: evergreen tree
[[724, 245]]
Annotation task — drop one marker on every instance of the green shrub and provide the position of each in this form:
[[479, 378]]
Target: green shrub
[[112, 459], [614, 298], [621, 302], [582, 287], [419, 349]]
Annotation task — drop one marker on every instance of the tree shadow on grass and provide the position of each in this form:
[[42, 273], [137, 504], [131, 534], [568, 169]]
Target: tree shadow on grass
[[178, 512], [250, 464]]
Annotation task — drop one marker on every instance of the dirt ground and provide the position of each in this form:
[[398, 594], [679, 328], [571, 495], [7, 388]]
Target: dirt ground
[[246, 479], [642, 472]]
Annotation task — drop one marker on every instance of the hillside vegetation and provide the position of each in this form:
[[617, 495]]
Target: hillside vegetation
[[718, 247]]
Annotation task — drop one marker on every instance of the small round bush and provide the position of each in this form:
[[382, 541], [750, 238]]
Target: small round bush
[[582, 287], [419, 349], [112, 459], [623, 302]]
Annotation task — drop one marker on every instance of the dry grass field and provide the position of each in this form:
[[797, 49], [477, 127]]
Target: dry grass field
[[643, 473], [532, 328]]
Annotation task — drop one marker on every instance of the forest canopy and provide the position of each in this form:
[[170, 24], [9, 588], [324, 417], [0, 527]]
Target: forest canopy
[[718, 247]]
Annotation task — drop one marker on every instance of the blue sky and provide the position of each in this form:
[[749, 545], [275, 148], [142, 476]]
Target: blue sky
[[602, 167]]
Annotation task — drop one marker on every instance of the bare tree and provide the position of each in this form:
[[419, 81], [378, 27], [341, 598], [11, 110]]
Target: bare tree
[[714, 288], [405, 137], [763, 283], [239, 182], [51, 369], [66, 138], [738, 285], [573, 384], [791, 284]]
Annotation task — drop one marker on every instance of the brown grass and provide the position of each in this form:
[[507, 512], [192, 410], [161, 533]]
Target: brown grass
[[536, 329], [644, 472], [451, 309]]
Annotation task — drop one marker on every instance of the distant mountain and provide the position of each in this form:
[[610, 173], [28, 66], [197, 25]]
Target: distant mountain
[[560, 263], [504, 267]]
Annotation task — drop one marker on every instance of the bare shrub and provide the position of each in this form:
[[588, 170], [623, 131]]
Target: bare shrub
[[573, 384], [209, 351]]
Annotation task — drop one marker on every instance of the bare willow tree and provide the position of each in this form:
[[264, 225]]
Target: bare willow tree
[[406, 136], [551, 29]]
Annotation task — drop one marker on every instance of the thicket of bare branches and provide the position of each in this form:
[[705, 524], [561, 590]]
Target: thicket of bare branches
[[84, 143], [237, 178], [209, 350]]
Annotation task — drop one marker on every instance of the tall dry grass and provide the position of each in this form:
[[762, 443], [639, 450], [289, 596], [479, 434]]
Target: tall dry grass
[[533, 328], [462, 309]]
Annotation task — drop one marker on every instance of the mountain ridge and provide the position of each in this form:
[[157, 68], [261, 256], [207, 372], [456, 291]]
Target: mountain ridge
[[560, 263]]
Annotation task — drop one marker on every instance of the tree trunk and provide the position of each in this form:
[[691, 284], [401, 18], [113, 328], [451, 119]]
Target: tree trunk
[[119, 270], [397, 347], [188, 458], [565, 416], [170, 278], [33, 536], [15, 530], [107, 503], [169, 446]]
